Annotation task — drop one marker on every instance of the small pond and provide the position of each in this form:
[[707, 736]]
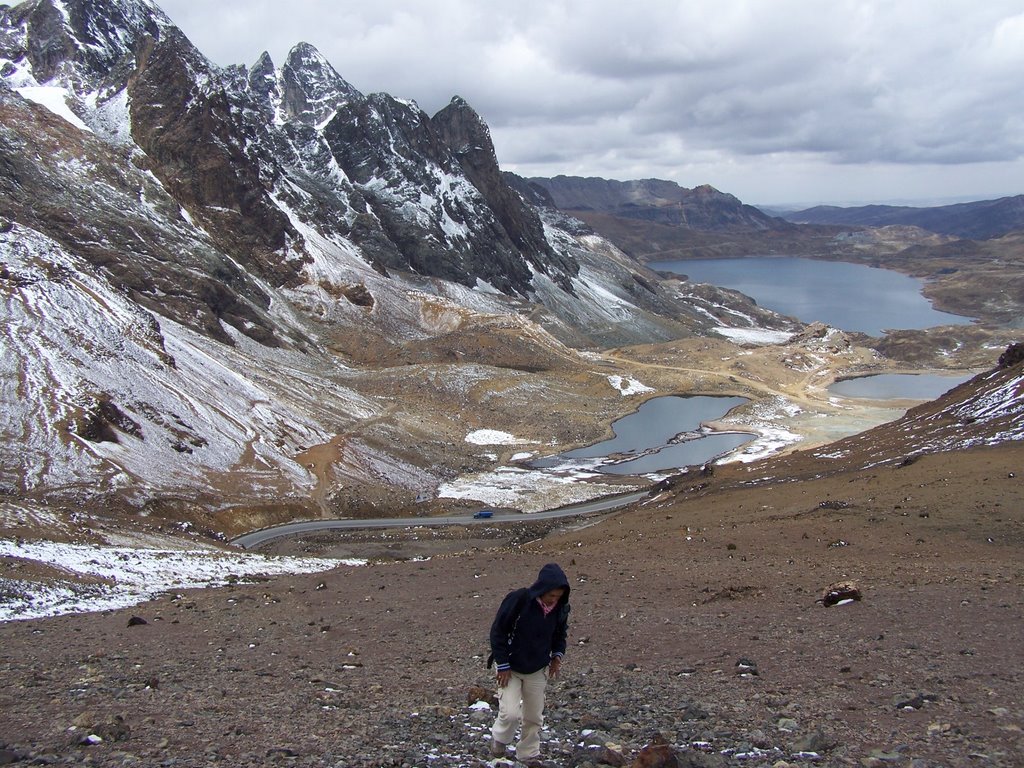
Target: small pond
[[899, 386], [663, 434]]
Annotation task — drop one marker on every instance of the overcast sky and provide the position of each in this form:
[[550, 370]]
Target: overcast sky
[[774, 101]]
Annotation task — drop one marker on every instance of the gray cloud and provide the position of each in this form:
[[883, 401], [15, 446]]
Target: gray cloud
[[793, 100]]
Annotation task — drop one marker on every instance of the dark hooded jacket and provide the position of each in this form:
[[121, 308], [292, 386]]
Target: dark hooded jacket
[[523, 639]]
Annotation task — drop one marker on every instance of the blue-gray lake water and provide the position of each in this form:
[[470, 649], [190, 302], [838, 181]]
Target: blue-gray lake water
[[898, 386], [646, 433], [852, 297]]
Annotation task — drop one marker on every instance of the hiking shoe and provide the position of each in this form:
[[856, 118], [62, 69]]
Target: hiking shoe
[[497, 748]]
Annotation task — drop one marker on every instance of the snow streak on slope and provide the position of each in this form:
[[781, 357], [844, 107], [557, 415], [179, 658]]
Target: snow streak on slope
[[181, 407], [1004, 400], [50, 369], [528, 490], [999, 404], [55, 100]]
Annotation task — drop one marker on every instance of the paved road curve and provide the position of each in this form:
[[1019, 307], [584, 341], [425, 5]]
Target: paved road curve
[[249, 540]]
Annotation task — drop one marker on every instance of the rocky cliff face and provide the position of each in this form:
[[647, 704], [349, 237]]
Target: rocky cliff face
[[468, 136], [193, 130], [79, 44]]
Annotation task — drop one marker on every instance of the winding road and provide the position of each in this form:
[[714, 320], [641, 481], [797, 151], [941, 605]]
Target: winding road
[[604, 504]]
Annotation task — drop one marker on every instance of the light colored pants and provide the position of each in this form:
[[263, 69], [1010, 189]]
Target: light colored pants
[[521, 702]]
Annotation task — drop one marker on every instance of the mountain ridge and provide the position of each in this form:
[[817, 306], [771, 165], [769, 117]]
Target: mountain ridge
[[978, 220], [658, 201]]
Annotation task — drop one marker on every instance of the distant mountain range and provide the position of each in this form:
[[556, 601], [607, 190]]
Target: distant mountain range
[[654, 218], [657, 201], [980, 220], [705, 209]]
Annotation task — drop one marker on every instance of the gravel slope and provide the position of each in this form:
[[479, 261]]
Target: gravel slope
[[376, 665]]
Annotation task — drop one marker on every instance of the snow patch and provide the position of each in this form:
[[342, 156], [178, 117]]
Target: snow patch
[[527, 490], [628, 386], [494, 437], [54, 99], [123, 576], [764, 418], [111, 119], [754, 335]]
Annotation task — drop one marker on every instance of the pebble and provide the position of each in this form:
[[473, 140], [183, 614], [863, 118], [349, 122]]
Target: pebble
[[592, 720]]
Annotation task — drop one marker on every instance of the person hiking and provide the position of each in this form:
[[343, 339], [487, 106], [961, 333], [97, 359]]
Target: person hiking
[[527, 643]]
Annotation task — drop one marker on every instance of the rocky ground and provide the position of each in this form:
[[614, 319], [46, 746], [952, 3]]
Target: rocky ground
[[699, 635], [698, 624]]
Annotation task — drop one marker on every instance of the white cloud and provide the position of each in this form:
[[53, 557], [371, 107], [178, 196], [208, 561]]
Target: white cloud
[[789, 100]]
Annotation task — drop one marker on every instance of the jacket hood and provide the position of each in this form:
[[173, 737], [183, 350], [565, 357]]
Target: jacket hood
[[551, 576]]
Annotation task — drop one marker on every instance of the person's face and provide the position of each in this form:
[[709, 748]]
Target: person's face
[[551, 597]]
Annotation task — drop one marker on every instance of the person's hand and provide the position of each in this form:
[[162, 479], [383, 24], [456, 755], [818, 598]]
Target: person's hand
[[555, 667], [504, 676]]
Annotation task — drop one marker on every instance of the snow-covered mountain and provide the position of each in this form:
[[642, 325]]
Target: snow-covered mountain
[[204, 270]]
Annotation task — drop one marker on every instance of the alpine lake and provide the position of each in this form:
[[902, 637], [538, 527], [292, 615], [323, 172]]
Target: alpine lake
[[665, 433]]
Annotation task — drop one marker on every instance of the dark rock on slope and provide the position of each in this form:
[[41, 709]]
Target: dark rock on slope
[[470, 140]]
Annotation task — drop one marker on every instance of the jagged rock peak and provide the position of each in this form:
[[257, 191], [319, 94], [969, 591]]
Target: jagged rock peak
[[464, 128], [262, 79], [459, 103], [81, 41], [264, 66], [311, 89], [307, 58], [469, 138]]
